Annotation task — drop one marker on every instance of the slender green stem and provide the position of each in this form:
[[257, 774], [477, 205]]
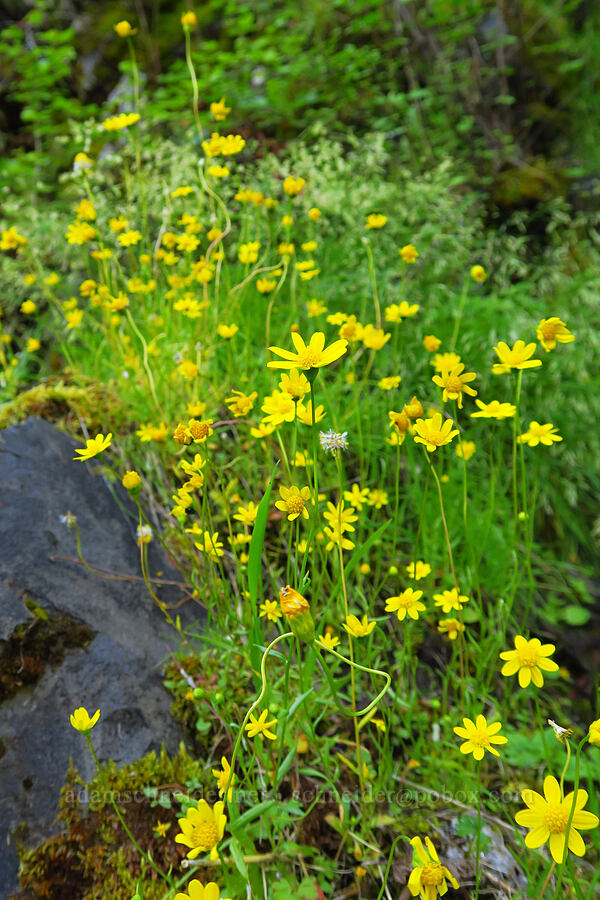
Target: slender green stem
[[561, 867], [124, 825], [263, 675], [461, 306], [478, 838]]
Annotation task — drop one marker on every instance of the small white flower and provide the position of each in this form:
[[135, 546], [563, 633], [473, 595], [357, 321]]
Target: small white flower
[[559, 731], [144, 534], [333, 441]]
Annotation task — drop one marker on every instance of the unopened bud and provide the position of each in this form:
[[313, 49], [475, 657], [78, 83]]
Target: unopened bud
[[296, 609]]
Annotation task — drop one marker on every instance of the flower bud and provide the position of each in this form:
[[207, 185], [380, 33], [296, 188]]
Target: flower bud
[[297, 611]]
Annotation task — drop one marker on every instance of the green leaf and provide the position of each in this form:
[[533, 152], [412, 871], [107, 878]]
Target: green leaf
[[238, 857], [257, 542], [575, 615]]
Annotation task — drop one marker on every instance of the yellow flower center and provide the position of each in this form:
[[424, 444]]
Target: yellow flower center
[[549, 330], [528, 658], [205, 835], [432, 874], [480, 739], [555, 818], [453, 384], [309, 358], [295, 504], [199, 430]]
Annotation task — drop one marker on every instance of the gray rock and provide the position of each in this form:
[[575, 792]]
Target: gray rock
[[119, 669]]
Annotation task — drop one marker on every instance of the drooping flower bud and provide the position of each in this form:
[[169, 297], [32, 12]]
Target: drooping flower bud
[[296, 609]]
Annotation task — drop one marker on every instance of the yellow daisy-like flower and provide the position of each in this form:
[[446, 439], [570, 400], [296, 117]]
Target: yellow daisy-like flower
[[304, 413], [548, 817], [222, 776], [466, 449], [517, 357], [375, 220], [528, 659], [406, 603], [478, 273], [278, 408], [93, 446], [258, 726], [374, 338], [357, 628], [293, 186], [389, 383], [431, 343], [408, 253], [451, 627], [80, 233], [308, 356], [219, 111], [417, 570], [188, 19], [209, 544], [296, 384], [442, 361], [202, 828], [479, 736], [540, 434], [395, 312], [449, 600], [239, 404], [340, 517], [552, 331], [329, 640], [247, 514], [428, 877], [227, 331], [293, 501], [454, 383], [494, 410], [594, 733], [198, 891], [270, 610], [81, 721], [433, 433]]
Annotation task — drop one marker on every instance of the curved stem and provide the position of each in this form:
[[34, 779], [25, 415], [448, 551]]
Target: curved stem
[[251, 709]]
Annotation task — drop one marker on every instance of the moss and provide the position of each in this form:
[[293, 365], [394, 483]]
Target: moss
[[34, 644], [60, 402], [222, 693], [93, 857]]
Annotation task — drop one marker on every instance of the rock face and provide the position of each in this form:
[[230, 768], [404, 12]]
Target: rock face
[[114, 639]]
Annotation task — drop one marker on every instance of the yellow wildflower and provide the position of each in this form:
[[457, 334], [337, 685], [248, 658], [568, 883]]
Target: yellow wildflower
[[528, 659], [357, 628], [553, 330], [548, 817], [516, 358], [479, 736], [308, 356]]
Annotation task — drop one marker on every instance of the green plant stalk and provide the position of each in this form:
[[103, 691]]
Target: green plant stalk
[[263, 675], [355, 665], [338, 463], [561, 867], [144, 855], [373, 282], [478, 838], [451, 558], [195, 91], [461, 306], [400, 837]]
